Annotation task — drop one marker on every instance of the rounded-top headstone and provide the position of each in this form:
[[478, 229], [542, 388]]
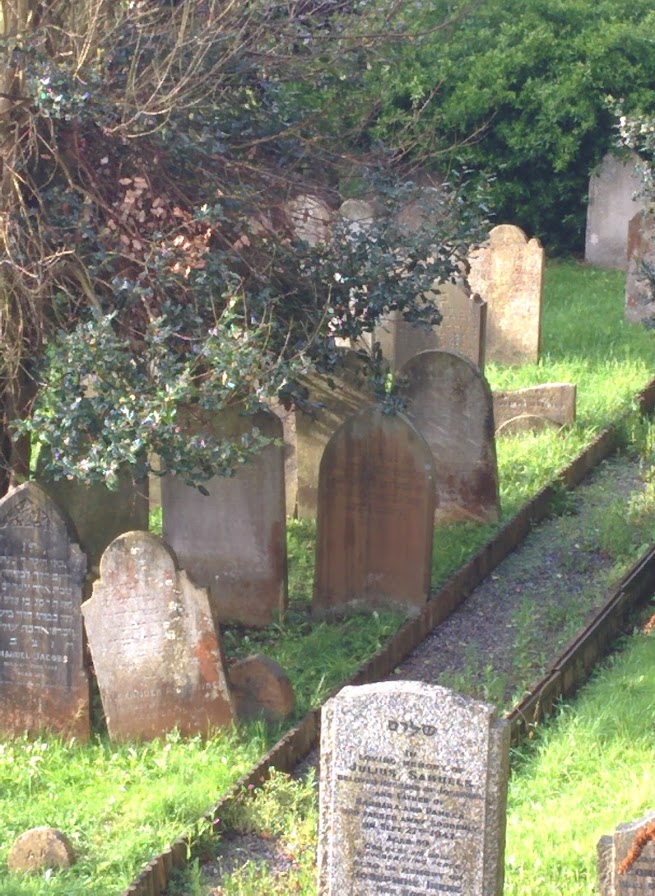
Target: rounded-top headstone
[[261, 688], [39, 849]]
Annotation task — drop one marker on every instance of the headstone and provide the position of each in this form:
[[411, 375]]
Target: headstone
[[358, 212], [534, 407], [622, 849], [507, 272], [310, 218], [154, 646], [39, 849], [288, 418], [464, 325], [413, 793], [612, 204], [639, 290], [375, 516], [261, 689], [43, 683], [401, 339], [450, 403], [337, 398], [233, 541]]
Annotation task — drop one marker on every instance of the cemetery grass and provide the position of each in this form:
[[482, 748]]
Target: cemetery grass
[[121, 805]]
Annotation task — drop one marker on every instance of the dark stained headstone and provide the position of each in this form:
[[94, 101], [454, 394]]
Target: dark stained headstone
[[450, 403], [626, 860], [43, 683], [375, 516], [233, 541], [639, 287], [154, 646]]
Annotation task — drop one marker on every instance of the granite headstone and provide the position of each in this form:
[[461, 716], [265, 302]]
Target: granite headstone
[[626, 867], [640, 280]]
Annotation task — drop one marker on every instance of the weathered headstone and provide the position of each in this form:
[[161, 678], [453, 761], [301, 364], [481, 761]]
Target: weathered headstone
[[464, 325], [639, 288], [348, 394], [534, 407], [43, 683], [375, 516], [507, 272], [358, 212], [38, 849], [617, 851], [154, 645], [400, 339], [450, 403], [310, 218], [261, 688], [233, 541], [612, 204], [288, 418], [412, 793]]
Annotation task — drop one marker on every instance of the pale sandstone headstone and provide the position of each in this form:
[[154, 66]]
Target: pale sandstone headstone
[[639, 292], [344, 394], [413, 793], [43, 682], [400, 339], [233, 541], [288, 418], [39, 849], [534, 407], [639, 878], [261, 688], [612, 204], [450, 403], [155, 649], [507, 272], [358, 212], [311, 218], [375, 516]]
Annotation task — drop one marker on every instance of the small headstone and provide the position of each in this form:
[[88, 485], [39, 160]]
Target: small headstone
[[534, 407], [155, 650], [39, 849], [375, 516], [619, 850], [450, 403], [639, 290], [310, 218], [412, 793], [233, 541], [261, 689], [612, 204], [507, 272], [43, 682], [346, 393], [358, 212]]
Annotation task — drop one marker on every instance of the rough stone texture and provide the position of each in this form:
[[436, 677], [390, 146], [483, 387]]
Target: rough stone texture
[[233, 541], [43, 683], [508, 273], [313, 431], [639, 879], [534, 408], [639, 293], [39, 849], [261, 688], [612, 187], [464, 325], [359, 212], [310, 218], [375, 516], [450, 403], [155, 650], [413, 793]]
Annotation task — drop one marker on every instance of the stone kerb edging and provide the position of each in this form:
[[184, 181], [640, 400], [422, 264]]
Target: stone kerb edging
[[569, 671]]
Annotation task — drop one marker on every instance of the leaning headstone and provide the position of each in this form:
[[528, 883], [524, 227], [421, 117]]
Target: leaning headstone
[[375, 516], [413, 793], [154, 646], [534, 407], [507, 272], [40, 849], [450, 403], [640, 281], [43, 682], [612, 204], [338, 397], [310, 218], [233, 540], [626, 866]]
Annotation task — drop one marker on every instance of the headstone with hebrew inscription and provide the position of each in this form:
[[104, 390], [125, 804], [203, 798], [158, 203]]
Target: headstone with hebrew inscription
[[534, 407], [449, 402], [233, 540], [154, 645], [507, 272], [640, 280], [412, 793], [43, 682], [613, 202], [626, 860], [336, 398], [375, 516]]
